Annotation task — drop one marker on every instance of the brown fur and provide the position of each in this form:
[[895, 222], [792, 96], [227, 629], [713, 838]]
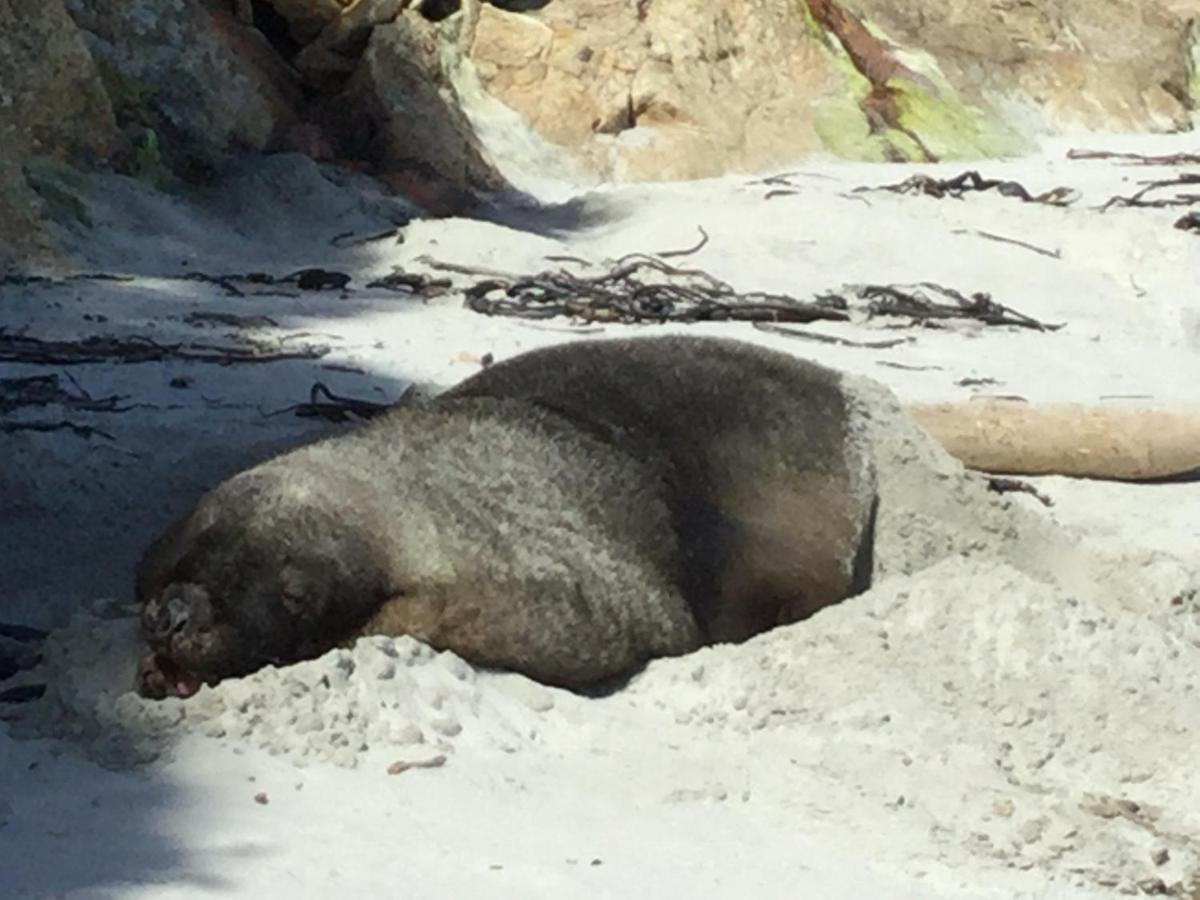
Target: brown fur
[[569, 513]]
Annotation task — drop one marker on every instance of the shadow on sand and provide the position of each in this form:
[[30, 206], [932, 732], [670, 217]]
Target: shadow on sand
[[77, 510]]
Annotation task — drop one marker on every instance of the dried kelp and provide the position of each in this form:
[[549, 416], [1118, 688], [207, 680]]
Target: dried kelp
[[636, 288], [919, 303], [21, 348], [413, 283], [325, 404], [44, 390], [1139, 198], [971, 181], [1138, 159]]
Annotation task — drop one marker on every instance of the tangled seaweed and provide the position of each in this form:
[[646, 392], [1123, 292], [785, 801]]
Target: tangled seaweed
[[916, 304], [972, 181], [636, 288]]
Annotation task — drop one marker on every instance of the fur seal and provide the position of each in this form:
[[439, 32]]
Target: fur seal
[[569, 513]]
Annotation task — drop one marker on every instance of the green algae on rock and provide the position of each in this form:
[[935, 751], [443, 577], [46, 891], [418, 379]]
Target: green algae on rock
[[895, 104]]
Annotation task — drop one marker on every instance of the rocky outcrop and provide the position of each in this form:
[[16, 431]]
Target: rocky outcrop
[[1055, 64], [676, 88], [665, 89], [622, 89], [396, 107], [176, 91], [190, 79]]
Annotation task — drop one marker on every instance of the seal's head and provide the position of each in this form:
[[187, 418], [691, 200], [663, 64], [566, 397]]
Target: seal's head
[[269, 568]]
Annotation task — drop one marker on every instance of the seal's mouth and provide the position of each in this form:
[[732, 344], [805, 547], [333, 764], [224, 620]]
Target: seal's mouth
[[159, 676], [189, 646]]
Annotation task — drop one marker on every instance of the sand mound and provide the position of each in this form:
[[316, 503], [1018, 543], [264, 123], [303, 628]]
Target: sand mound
[[383, 692], [995, 715]]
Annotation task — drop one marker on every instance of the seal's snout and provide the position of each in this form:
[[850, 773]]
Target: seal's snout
[[179, 624], [180, 606]]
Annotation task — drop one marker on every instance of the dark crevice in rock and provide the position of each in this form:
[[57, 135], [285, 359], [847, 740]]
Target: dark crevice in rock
[[1179, 92], [620, 120], [437, 10], [519, 5], [274, 28]]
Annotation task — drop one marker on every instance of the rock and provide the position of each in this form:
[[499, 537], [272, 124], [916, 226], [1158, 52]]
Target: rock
[[51, 102], [202, 83], [670, 89], [333, 56], [1057, 64], [679, 89], [399, 112], [307, 18]]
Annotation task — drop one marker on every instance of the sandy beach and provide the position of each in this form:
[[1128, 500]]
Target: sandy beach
[[1012, 714]]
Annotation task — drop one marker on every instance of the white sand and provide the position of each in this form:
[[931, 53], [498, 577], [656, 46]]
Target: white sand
[[1017, 719]]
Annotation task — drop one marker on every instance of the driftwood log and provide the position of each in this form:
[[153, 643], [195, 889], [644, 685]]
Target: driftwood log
[[1010, 437]]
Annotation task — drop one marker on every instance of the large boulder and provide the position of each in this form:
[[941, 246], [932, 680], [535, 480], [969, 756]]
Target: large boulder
[[669, 89], [190, 79], [398, 110], [51, 103], [1108, 65]]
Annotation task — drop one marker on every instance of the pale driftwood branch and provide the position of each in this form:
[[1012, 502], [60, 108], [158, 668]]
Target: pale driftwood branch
[[1124, 443]]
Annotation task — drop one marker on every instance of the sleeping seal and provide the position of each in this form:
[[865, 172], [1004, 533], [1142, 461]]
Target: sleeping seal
[[569, 514]]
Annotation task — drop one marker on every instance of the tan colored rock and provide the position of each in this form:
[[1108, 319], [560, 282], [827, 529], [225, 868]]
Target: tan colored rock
[[51, 103], [683, 88], [667, 89], [1101, 64]]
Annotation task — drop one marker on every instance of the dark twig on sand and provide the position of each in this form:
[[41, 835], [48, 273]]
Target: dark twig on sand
[[973, 181], [1015, 485], [138, 349], [351, 238], [784, 185], [908, 367], [334, 407], [977, 382], [224, 282], [232, 320], [914, 303], [638, 288], [829, 338], [1172, 159], [1054, 254], [1138, 199], [413, 283], [44, 390], [695, 248], [462, 269], [310, 279], [87, 432]]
